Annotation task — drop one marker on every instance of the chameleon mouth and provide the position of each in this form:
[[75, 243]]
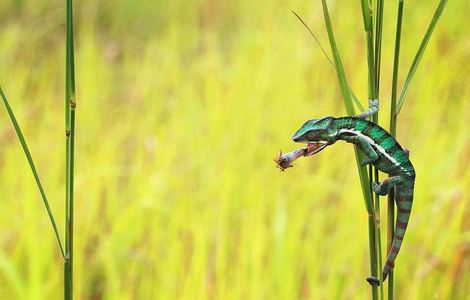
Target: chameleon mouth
[[314, 147], [284, 161]]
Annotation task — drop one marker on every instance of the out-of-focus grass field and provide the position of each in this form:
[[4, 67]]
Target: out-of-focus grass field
[[181, 107]]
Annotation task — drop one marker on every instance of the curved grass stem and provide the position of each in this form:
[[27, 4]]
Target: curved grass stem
[[364, 178]]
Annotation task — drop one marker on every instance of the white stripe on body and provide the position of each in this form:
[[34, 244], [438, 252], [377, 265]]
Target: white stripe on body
[[372, 142]]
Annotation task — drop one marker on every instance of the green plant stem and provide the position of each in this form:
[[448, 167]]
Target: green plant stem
[[378, 43], [348, 103], [70, 105], [364, 178], [68, 266], [393, 130], [68, 286], [373, 63], [345, 91], [24, 145], [377, 64]]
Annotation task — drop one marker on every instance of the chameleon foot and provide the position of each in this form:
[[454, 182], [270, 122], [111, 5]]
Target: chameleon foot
[[373, 281], [373, 109], [376, 188]]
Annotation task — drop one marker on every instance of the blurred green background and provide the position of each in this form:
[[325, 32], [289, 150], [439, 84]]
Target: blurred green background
[[182, 106]]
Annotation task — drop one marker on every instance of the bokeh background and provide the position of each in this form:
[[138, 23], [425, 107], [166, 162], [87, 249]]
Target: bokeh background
[[182, 106]]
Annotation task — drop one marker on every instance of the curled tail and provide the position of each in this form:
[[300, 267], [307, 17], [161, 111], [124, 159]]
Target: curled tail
[[404, 200]]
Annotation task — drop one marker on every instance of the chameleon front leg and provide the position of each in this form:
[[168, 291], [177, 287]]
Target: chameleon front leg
[[373, 109], [370, 155], [384, 187]]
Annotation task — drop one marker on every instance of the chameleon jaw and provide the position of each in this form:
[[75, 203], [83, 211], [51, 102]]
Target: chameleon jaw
[[284, 161], [314, 147]]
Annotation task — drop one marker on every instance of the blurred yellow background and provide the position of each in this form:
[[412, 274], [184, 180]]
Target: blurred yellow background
[[182, 106]]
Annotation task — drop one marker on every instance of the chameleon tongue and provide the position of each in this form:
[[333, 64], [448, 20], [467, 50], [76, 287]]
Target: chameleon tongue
[[312, 148], [284, 161]]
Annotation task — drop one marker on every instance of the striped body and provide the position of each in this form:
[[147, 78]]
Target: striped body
[[392, 160], [380, 149]]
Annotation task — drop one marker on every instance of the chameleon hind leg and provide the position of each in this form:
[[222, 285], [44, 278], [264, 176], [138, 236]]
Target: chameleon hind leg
[[370, 155], [384, 187]]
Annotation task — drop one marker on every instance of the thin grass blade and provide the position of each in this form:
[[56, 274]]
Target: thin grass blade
[[24, 145], [317, 41], [364, 178], [393, 130], [338, 63], [347, 103], [419, 54]]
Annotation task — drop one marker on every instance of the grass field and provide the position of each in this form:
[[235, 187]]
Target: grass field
[[182, 106]]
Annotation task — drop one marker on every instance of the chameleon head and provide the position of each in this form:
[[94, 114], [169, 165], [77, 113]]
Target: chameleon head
[[316, 134]]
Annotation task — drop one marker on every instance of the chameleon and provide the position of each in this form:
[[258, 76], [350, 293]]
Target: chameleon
[[380, 149]]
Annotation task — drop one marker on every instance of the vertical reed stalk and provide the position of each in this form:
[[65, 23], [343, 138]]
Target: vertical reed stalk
[[377, 61], [397, 102], [393, 130], [364, 178], [373, 62], [374, 48], [67, 254], [69, 152], [348, 103]]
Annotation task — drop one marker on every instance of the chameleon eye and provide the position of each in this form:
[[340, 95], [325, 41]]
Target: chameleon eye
[[312, 135]]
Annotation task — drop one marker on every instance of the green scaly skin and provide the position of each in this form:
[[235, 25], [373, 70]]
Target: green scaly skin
[[380, 149]]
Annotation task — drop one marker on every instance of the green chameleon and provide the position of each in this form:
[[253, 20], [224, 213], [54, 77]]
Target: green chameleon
[[380, 149]]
